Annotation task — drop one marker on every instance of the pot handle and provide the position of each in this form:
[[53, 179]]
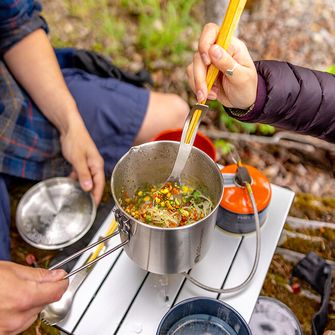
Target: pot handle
[[123, 225]]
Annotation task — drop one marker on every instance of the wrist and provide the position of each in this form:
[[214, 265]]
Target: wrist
[[68, 118], [237, 112], [253, 112]]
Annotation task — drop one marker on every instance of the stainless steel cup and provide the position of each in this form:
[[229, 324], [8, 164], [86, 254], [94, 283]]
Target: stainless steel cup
[[165, 250]]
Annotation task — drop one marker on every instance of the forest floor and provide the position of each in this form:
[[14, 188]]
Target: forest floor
[[301, 32]]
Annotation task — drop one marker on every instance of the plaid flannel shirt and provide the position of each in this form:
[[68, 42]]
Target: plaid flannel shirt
[[29, 143]]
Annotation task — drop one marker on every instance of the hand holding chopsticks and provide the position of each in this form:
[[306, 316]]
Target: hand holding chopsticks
[[223, 71], [224, 36]]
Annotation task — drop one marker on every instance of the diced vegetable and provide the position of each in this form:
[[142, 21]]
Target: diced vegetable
[[168, 206]]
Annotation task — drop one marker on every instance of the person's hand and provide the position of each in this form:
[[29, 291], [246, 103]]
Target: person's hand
[[34, 57], [79, 149], [24, 292], [238, 90]]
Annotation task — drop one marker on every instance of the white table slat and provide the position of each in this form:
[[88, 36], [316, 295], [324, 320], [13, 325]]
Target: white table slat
[[91, 283], [151, 303], [113, 299], [244, 301], [212, 271]]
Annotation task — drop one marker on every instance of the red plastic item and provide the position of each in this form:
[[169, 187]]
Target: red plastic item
[[31, 260], [296, 288], [201, 140]]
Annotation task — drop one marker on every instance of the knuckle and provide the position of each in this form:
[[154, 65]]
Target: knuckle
[[210, 26], [40, 273]]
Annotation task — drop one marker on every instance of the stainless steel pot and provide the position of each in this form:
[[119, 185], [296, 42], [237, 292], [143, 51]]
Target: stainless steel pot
[[165, 250]]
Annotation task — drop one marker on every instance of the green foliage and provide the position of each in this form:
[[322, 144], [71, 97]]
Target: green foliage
[[158, 30], [331, 69], [236, 126], [266, 129], [103, 26], [165, 29], [223, 147]]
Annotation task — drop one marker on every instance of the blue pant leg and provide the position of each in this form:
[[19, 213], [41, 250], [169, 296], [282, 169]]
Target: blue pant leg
[[4, 221], [113, 112]]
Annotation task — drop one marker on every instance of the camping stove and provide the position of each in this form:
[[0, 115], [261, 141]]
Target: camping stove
[[235, 211]]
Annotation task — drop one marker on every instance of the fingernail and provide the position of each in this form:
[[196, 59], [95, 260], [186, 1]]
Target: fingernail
[[205, 58], [200, 96], [57, 274], [217, 52], [212, 96], [87, 184]]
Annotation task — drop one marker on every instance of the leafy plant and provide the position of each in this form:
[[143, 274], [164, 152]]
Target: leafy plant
[[102, 26], [224, 147], [331, 69], [236, 126], [165, 29], [266, 129]]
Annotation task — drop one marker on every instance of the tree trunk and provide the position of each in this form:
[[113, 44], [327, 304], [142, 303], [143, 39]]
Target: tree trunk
[[215, 10]]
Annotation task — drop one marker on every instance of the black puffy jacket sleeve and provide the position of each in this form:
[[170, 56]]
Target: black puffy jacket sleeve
[[295, 98]]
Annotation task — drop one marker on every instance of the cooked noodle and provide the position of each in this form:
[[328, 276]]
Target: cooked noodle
[[167, 206]]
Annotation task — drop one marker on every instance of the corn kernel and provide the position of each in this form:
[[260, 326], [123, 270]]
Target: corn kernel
[[185, 188]]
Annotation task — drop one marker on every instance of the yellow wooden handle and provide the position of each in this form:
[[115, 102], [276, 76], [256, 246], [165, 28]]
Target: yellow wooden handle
[[228, 26], [226, 31], [98, 249]]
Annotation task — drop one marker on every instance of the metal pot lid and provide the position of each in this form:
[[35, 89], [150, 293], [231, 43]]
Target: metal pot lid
[[55, 213], [202, 315], [271, 316], [201, 324]]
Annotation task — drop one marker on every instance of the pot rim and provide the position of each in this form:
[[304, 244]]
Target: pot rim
[[199, 300], [162, 228]]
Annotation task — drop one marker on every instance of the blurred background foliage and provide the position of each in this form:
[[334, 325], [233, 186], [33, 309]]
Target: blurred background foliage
[[155, 29]]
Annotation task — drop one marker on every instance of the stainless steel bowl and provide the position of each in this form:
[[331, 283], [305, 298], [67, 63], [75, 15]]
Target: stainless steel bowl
[[55, 213]]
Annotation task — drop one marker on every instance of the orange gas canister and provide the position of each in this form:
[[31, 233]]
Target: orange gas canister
[[235, 212]]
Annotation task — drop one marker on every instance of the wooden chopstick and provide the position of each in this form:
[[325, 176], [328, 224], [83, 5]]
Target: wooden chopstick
[[98, 249], [228, 26]]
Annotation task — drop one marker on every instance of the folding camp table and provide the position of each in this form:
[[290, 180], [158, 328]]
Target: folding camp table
[[118, 297]]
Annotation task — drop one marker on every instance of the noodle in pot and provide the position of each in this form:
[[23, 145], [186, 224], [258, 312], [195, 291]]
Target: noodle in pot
[[169, 206]]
